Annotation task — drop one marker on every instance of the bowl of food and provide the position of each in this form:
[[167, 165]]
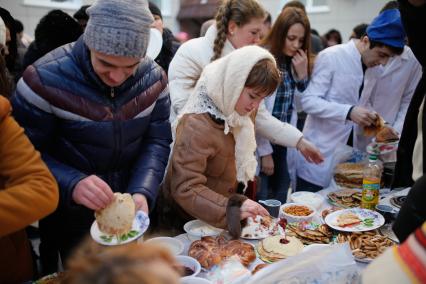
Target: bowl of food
[[296, 212], [173, 245], [308, 198], [189, 266], [196, 229]]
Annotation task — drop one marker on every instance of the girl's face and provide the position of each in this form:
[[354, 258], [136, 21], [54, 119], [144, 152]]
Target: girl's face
[[248, 101], [294, 39], [247, 34]]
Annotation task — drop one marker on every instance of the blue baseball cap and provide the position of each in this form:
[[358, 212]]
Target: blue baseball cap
[[387, 29]]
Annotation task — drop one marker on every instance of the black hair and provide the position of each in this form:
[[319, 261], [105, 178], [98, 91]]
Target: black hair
[[394, 49], [268, 18], [81, 13], [360, 30], [389, 6], [336, 33], [19, 27], [315, 32]]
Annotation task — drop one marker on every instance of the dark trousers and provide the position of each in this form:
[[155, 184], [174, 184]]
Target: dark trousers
[[304, 185], [276, 186]]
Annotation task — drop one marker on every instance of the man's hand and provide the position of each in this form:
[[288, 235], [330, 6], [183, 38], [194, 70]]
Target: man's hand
[[250, 208], [300, 64], [311, 153], [267, 165], [140, 202], [93, 193], [363, 116]]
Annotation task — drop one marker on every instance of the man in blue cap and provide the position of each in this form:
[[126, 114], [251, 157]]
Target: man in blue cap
[[388, 89], [333, 95]]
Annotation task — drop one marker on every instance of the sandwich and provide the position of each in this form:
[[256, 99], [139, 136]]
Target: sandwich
[[348, 219], [349, 175], [387, 135], [374, 128]]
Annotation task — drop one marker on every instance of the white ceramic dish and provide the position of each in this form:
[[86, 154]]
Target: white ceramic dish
[[173, 245], [296, 219], [139, 226], [189, 262], [197, 229], [375, 220], [309, 198], [194, 280]]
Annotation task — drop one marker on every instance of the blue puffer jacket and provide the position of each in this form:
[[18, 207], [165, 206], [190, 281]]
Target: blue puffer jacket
[[83, 127]]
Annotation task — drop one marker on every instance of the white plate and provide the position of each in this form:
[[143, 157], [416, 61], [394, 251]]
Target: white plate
[[363, 214], [174, 245], [263, 233], [139, 226]]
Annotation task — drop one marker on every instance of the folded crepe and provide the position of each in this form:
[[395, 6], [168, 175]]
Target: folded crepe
[[386, 135], [117, 217], [374, 128]]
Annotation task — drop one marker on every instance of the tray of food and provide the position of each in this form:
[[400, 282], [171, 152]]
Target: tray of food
[[355, 220], [345, 198], [365, 246], [349, 175]]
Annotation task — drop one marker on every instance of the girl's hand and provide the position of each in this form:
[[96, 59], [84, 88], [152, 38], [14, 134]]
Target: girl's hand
[[300, 64], [267, 165], [250, 208], [311, 153]]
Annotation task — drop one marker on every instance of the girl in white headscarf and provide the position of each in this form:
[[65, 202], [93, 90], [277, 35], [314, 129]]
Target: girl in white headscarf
[[215, 139]]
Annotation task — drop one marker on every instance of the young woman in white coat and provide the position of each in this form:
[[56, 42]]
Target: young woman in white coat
[[238, 23]]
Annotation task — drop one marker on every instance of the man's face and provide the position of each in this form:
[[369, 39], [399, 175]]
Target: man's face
[[113, 70], [375, 56]]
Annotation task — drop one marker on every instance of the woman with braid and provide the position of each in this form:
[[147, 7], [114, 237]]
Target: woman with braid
[[238, 23]]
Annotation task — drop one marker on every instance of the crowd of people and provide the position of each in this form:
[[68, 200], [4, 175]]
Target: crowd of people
[[204, 130]]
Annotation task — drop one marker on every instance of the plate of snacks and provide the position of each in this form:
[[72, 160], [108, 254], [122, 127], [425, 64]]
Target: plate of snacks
[[354, 220], [346, 198], [310, 233], [365, 246], [118, 223], [295, 212], [261, 227]]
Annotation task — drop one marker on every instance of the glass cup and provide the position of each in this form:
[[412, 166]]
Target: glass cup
[[272, 205]]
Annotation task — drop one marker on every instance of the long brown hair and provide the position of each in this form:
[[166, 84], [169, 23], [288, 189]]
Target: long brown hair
[[239, 11], [275, 40]]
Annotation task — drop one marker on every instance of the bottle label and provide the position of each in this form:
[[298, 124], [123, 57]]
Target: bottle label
[[370, 193]]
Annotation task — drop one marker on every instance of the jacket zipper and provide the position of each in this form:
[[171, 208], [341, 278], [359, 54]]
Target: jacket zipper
[[116, 131]]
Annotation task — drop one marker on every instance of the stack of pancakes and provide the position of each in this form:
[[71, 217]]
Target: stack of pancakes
[[349, 174], [275, 248]]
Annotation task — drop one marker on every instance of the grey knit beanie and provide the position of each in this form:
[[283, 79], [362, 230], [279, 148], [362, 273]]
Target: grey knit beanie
[[119, 27]]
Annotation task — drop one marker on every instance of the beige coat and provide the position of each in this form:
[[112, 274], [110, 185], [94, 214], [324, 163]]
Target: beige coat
[[201, 175]]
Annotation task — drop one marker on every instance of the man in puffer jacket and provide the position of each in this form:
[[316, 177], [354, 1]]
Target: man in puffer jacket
[[98, 112]]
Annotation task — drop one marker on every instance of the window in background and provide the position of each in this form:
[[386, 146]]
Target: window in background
[[315, 6]]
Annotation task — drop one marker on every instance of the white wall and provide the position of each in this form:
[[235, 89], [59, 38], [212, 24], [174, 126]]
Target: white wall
[[344, 15]]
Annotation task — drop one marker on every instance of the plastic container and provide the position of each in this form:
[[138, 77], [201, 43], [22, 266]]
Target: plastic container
[[371, 183], [308, 198], [197, 229]]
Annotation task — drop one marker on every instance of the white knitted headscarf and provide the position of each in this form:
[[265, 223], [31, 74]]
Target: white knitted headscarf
[[217, 92]]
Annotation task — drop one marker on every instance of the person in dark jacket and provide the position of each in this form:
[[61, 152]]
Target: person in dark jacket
[[411, 150], [170, 44], [82, 17], [54, 29], [98, 111]]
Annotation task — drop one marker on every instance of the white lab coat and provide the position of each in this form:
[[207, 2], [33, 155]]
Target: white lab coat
[[388, 90], [333, 89]]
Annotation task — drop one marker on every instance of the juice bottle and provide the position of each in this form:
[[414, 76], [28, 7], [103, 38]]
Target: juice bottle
[[371, 183]]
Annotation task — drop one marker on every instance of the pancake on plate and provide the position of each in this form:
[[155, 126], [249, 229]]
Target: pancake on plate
[[275, 248]]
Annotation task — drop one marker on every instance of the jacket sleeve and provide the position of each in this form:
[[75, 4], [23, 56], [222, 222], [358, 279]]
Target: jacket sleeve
[[313, 98], [148, 171], [30, 192], [274, 130], [188, 182], [184, 72], [34, 114], [416, 74]]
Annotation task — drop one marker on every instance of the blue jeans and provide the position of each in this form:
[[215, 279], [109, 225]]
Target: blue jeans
[[276, 186], [303, 185]]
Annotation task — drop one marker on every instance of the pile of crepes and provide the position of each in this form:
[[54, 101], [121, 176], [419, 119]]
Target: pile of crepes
[[349, 175], [320, 235], [346, 197], [366, 245], [210, 251], [278, 247]]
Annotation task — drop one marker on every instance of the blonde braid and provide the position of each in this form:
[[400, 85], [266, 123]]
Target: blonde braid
[[222, 20]]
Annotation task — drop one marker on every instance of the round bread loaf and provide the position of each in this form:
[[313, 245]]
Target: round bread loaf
[[117, 217]]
